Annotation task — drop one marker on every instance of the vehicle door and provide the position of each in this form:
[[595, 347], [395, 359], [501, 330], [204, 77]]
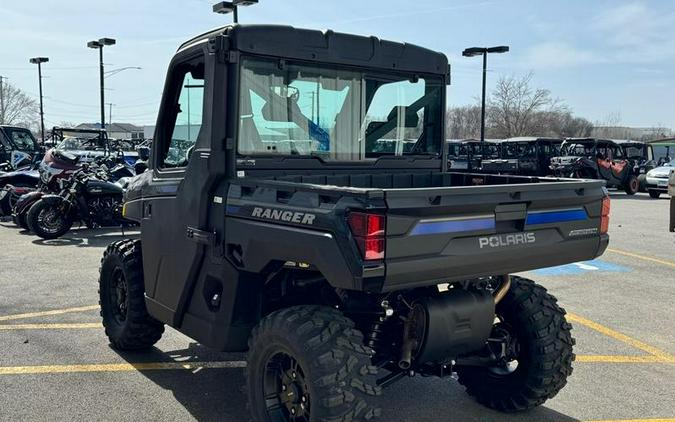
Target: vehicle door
[[175, 202], [603, 159], [5, 149]]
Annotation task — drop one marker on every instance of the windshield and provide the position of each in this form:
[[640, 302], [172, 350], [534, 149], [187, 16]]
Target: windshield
[[336, 114], [22, 139], [77, 144], [634, 151], [518, 150], [578, 149]]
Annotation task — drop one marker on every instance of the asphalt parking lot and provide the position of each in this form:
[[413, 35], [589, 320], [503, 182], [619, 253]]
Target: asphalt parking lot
[[55, 362]]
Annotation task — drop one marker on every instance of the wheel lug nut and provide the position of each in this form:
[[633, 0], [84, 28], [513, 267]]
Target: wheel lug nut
[[292, 410], [283, 387], [294, 375], [304, 399]]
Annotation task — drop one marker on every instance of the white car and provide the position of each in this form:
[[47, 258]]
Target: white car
[[671, 192], [656, 181]]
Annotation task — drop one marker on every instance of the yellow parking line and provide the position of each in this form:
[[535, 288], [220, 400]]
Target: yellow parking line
[[644, 258], [622, 359], [635, 420], [621, 337], [47, 313], [117, 367], [56, 326]]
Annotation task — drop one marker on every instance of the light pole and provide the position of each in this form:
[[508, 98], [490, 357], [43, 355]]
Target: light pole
[[99, 45], [38, 61], [224, 7], [477, 51]]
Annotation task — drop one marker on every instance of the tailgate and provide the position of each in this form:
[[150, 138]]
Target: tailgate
[[436, 235]]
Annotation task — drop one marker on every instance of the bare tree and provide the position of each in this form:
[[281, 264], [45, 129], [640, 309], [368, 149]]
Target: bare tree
[[463, 122], [16, 107], [514, 107]]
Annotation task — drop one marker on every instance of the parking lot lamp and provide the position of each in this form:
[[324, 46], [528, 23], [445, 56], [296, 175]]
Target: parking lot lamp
[[38, 61], [477, 51], [99, 45], [225, 7]]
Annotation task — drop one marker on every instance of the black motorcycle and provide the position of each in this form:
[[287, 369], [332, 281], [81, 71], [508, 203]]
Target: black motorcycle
[[86, 196]]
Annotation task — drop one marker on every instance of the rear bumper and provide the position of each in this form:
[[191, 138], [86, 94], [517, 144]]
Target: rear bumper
[[425, 271]]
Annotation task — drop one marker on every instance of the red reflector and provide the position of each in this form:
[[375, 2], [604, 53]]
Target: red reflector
[[604, 216], [374, 249], [368, 231]]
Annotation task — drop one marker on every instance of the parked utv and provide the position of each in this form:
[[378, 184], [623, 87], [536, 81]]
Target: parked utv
[[591, 158], [278, 228], [527, 156], [641, 155], [467, 155], [18, 148]]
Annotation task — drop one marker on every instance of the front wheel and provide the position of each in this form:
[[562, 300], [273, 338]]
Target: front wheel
[[308, 363], [121, 296], [654, 194], [632, 185], [538, 356], [47, 220]]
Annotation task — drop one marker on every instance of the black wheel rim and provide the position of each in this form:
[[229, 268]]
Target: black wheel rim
[[505, 346], [286, 389], [119, 298], [51, 220]]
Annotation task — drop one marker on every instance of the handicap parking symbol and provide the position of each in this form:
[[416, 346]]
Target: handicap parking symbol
[[578, 268]]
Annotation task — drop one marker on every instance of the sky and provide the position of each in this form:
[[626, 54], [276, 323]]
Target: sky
[[608, 60]]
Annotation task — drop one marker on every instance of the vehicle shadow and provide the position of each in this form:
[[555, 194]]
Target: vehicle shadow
[[207, 394], [219, 394], [83, 237]]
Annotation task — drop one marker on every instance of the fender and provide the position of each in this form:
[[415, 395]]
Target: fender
[[26, 201], [52, 199]]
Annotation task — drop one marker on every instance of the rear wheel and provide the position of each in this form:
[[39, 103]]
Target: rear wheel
[[654, 194], [121, 292], [538, 356], [309, 363], [632, 185], [47, 220]]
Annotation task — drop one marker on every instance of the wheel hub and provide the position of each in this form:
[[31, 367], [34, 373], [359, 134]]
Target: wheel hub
[[286, 389]]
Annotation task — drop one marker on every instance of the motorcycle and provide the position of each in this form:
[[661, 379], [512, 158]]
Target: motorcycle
[[87, 196], [55, 165]]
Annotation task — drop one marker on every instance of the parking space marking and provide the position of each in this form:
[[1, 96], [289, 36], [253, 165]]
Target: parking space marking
[[48, 313], [654, 351], [54, 326], [119, 367], [644, 258], [623, 359], [577, 268], [635, 420]]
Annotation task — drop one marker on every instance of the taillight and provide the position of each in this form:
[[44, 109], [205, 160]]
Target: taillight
[[604, 215], [368, 231]]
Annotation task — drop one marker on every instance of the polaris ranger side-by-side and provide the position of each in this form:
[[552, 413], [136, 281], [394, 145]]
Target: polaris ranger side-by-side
[[601, 159], [273, 223]]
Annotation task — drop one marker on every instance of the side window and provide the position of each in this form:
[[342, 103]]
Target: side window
[[188, 115]]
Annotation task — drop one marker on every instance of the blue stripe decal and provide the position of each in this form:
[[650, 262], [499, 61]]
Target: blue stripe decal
[[453, 226], [232, 209], [547, 217]]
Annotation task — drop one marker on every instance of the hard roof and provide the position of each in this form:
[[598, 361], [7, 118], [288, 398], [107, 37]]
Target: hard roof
[[531, 139], [328, 47]]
